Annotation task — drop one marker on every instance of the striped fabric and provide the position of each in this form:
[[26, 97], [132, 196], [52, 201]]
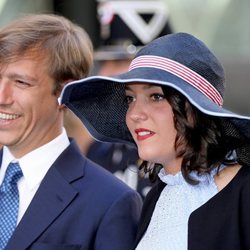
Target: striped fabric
[[180, 71]]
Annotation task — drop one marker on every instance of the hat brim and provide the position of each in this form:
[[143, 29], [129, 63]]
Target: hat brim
[[99, 101]]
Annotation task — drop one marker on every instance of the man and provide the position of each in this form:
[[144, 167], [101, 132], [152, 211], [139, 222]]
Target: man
[[64, 200]]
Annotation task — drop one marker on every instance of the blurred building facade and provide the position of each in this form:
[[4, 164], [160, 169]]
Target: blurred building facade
[[223, 25]]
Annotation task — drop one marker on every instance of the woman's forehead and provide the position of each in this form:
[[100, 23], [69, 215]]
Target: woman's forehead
[[142, 85]]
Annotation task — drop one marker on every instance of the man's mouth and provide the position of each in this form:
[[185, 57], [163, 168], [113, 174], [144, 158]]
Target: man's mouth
[[5, 116]]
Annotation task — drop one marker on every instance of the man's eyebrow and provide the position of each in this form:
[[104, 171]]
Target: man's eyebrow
[[22, 76]]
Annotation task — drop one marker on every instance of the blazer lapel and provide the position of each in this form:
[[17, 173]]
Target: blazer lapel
[[52, 197]]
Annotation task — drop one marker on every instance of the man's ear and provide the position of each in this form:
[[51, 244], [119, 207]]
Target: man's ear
[[61, 106], [67, 81], [58, 94], [62, 84]]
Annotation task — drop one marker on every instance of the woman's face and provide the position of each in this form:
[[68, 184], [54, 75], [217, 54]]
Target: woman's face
[[150, 121]]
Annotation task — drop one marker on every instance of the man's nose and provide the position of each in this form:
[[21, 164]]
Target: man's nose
[[6, 93]]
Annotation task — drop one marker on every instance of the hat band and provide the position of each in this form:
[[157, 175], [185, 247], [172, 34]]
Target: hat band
[[182, 72]]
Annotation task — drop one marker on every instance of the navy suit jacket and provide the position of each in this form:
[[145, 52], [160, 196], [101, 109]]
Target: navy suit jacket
[[78, 205]]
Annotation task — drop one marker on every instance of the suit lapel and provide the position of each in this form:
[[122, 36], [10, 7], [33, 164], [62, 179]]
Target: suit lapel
[[53, 196]]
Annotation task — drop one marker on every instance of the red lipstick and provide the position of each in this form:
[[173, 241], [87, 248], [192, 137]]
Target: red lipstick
[[143, 134]]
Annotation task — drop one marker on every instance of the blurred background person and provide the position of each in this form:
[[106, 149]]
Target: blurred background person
[[122, 34]]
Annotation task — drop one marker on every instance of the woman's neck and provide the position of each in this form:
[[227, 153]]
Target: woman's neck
[[173, 167]]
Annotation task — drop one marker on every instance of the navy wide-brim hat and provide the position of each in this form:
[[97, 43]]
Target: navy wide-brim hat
[[179, 61]]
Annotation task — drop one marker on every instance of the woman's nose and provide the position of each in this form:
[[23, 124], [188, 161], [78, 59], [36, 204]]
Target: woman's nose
[[137, 112]]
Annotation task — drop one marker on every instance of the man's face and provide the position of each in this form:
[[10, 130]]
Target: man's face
[[29, 111]]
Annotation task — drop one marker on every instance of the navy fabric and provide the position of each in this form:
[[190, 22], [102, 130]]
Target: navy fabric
[[121, 160], [78, 205]]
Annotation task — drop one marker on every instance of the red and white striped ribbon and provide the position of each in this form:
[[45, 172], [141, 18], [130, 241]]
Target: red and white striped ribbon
[[182, 72]]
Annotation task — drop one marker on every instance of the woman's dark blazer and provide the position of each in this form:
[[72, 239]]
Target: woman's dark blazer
[[222, 223]]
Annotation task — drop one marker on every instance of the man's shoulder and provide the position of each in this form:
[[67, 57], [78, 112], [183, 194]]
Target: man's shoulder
[[94, 177], [103, 176], [104, 184]]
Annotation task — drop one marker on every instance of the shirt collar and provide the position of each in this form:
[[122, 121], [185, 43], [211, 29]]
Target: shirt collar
[[36, 163]]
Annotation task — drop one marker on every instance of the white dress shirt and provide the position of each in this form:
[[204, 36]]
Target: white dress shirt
[[34, 166]]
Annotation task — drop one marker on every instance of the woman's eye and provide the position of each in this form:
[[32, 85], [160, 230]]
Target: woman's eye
[[157, 97], [129, 99]]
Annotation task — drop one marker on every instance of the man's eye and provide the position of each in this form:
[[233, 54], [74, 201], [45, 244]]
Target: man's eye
[[129, 99], [22, 83], [157, 97]]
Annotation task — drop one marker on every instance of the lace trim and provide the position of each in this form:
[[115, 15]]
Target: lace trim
[[178, 178]]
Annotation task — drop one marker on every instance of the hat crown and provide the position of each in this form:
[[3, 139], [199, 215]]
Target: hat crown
[[190, 52]]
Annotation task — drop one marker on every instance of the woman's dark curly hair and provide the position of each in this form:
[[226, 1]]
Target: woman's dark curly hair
[[199, 140]]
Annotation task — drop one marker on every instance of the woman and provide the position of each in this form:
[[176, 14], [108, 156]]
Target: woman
[[169, 104]]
